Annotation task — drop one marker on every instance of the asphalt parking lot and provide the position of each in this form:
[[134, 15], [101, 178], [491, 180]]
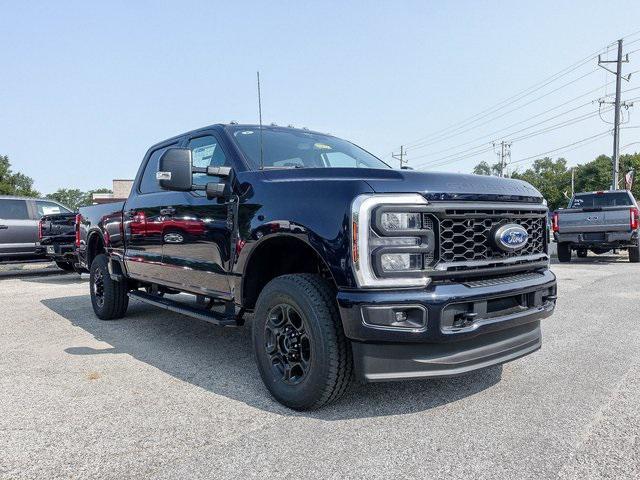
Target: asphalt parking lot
[[157, 395]]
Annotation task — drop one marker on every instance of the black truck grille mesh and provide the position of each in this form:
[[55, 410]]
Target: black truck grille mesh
[[467, 235]]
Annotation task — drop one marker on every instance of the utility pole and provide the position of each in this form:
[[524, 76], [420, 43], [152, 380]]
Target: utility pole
[[615, 159], [573, 180], [503, 155], [400, 156]]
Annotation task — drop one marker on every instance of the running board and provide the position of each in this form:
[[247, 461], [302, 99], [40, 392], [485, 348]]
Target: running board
[[205, 315]]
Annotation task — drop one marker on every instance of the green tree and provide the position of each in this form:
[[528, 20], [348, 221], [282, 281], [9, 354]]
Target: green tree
[[483, 168], [75, 198], [14, 183], [594, 175], [552, 178]]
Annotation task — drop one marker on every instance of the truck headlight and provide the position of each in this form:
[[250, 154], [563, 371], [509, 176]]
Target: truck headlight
[[394, 221], [393, 241], [401, 262]]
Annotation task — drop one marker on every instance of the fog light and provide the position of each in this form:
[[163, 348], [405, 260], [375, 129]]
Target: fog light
[[401, 316], [412, 317]]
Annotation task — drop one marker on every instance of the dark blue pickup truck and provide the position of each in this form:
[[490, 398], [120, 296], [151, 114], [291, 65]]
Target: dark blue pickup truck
[[347, 266]]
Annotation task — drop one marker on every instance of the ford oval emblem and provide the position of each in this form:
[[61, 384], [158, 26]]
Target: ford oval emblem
[[511, 237]]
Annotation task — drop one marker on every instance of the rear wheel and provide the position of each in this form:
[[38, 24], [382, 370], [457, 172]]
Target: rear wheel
[[564, 252], [108, 297], [66, 266], [582, 253], [634, 254], [303, 356]]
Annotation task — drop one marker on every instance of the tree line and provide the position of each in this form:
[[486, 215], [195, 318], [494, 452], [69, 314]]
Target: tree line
[[16, 183], [553, 177]]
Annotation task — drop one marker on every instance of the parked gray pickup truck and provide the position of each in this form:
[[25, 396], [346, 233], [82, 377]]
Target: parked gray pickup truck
[[597, 221]]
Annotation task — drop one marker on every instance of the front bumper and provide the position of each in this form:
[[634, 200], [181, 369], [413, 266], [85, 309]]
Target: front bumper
[[505, 325]]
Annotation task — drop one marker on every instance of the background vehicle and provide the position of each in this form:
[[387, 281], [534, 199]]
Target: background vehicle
[[57, 235], [347, 264], [597, 221], [19, 222]]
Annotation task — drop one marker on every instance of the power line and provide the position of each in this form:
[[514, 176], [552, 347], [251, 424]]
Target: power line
[[540, 155], [455, 133], [455, 157], [495, 132], [522, 94], [452, 158]]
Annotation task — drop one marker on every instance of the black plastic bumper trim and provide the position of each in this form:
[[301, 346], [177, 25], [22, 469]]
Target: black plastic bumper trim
[[378, 362]]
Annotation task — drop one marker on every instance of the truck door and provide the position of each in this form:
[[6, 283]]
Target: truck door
[[142, 221], [196, 235], [18, 231]]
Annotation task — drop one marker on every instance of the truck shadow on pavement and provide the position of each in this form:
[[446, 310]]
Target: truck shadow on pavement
[[220, 360]]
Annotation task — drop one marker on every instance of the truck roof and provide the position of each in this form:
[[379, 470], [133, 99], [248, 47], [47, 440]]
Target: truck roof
[[18, 197], [223, 126]]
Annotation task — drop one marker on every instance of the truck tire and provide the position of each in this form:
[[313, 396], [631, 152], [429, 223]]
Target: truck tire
[[634, 254], [108, 297], [582, 253], [302, 354], [564, 252], [66, 266]]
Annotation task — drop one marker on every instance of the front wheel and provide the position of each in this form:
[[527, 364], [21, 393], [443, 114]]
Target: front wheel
[[108, 297], [564, 252], [582, 253], [302, 354], [634, 254]]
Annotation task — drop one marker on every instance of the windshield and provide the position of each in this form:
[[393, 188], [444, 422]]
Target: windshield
[[605, 199], [289, 148]]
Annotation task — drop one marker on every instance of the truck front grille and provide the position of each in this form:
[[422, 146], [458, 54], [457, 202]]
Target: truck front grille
[[467, 243]]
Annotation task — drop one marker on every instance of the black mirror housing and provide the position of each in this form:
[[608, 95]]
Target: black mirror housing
[[175, 170], [215, 190]]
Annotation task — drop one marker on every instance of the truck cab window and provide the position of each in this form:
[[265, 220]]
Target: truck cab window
[[48, 208], [13, 210], [206, 152], [149, 183]]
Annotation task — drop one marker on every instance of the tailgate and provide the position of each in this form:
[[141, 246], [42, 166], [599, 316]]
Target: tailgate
[[61, 226], [608, 219]]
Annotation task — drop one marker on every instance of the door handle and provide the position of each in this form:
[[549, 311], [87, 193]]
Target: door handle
[[167, 211], [4, 227]]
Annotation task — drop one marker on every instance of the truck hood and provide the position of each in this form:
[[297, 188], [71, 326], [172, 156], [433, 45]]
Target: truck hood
[[455, 186], [433, 185]]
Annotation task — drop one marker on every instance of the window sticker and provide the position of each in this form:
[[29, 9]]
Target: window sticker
[[50, 210], [201, 156]]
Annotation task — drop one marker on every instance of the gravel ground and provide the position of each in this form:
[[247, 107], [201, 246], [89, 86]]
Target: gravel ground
[[157, 395]]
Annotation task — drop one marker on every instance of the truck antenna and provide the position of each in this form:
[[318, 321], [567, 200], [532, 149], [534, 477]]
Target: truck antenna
[[260, 120]]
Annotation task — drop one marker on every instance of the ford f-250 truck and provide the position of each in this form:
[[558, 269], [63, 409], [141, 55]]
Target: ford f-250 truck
[[597, 221], [346, 265]]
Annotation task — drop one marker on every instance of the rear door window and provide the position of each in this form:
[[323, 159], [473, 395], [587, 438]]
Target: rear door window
[[14, 210], [599, 200]]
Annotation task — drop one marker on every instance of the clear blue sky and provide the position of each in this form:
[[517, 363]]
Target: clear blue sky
[[86, 87]]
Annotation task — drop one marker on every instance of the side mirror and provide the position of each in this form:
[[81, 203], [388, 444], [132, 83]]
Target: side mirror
[[175, 171]]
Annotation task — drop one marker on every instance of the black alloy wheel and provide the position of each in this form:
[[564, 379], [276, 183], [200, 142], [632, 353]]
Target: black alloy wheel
[[287, 344]]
